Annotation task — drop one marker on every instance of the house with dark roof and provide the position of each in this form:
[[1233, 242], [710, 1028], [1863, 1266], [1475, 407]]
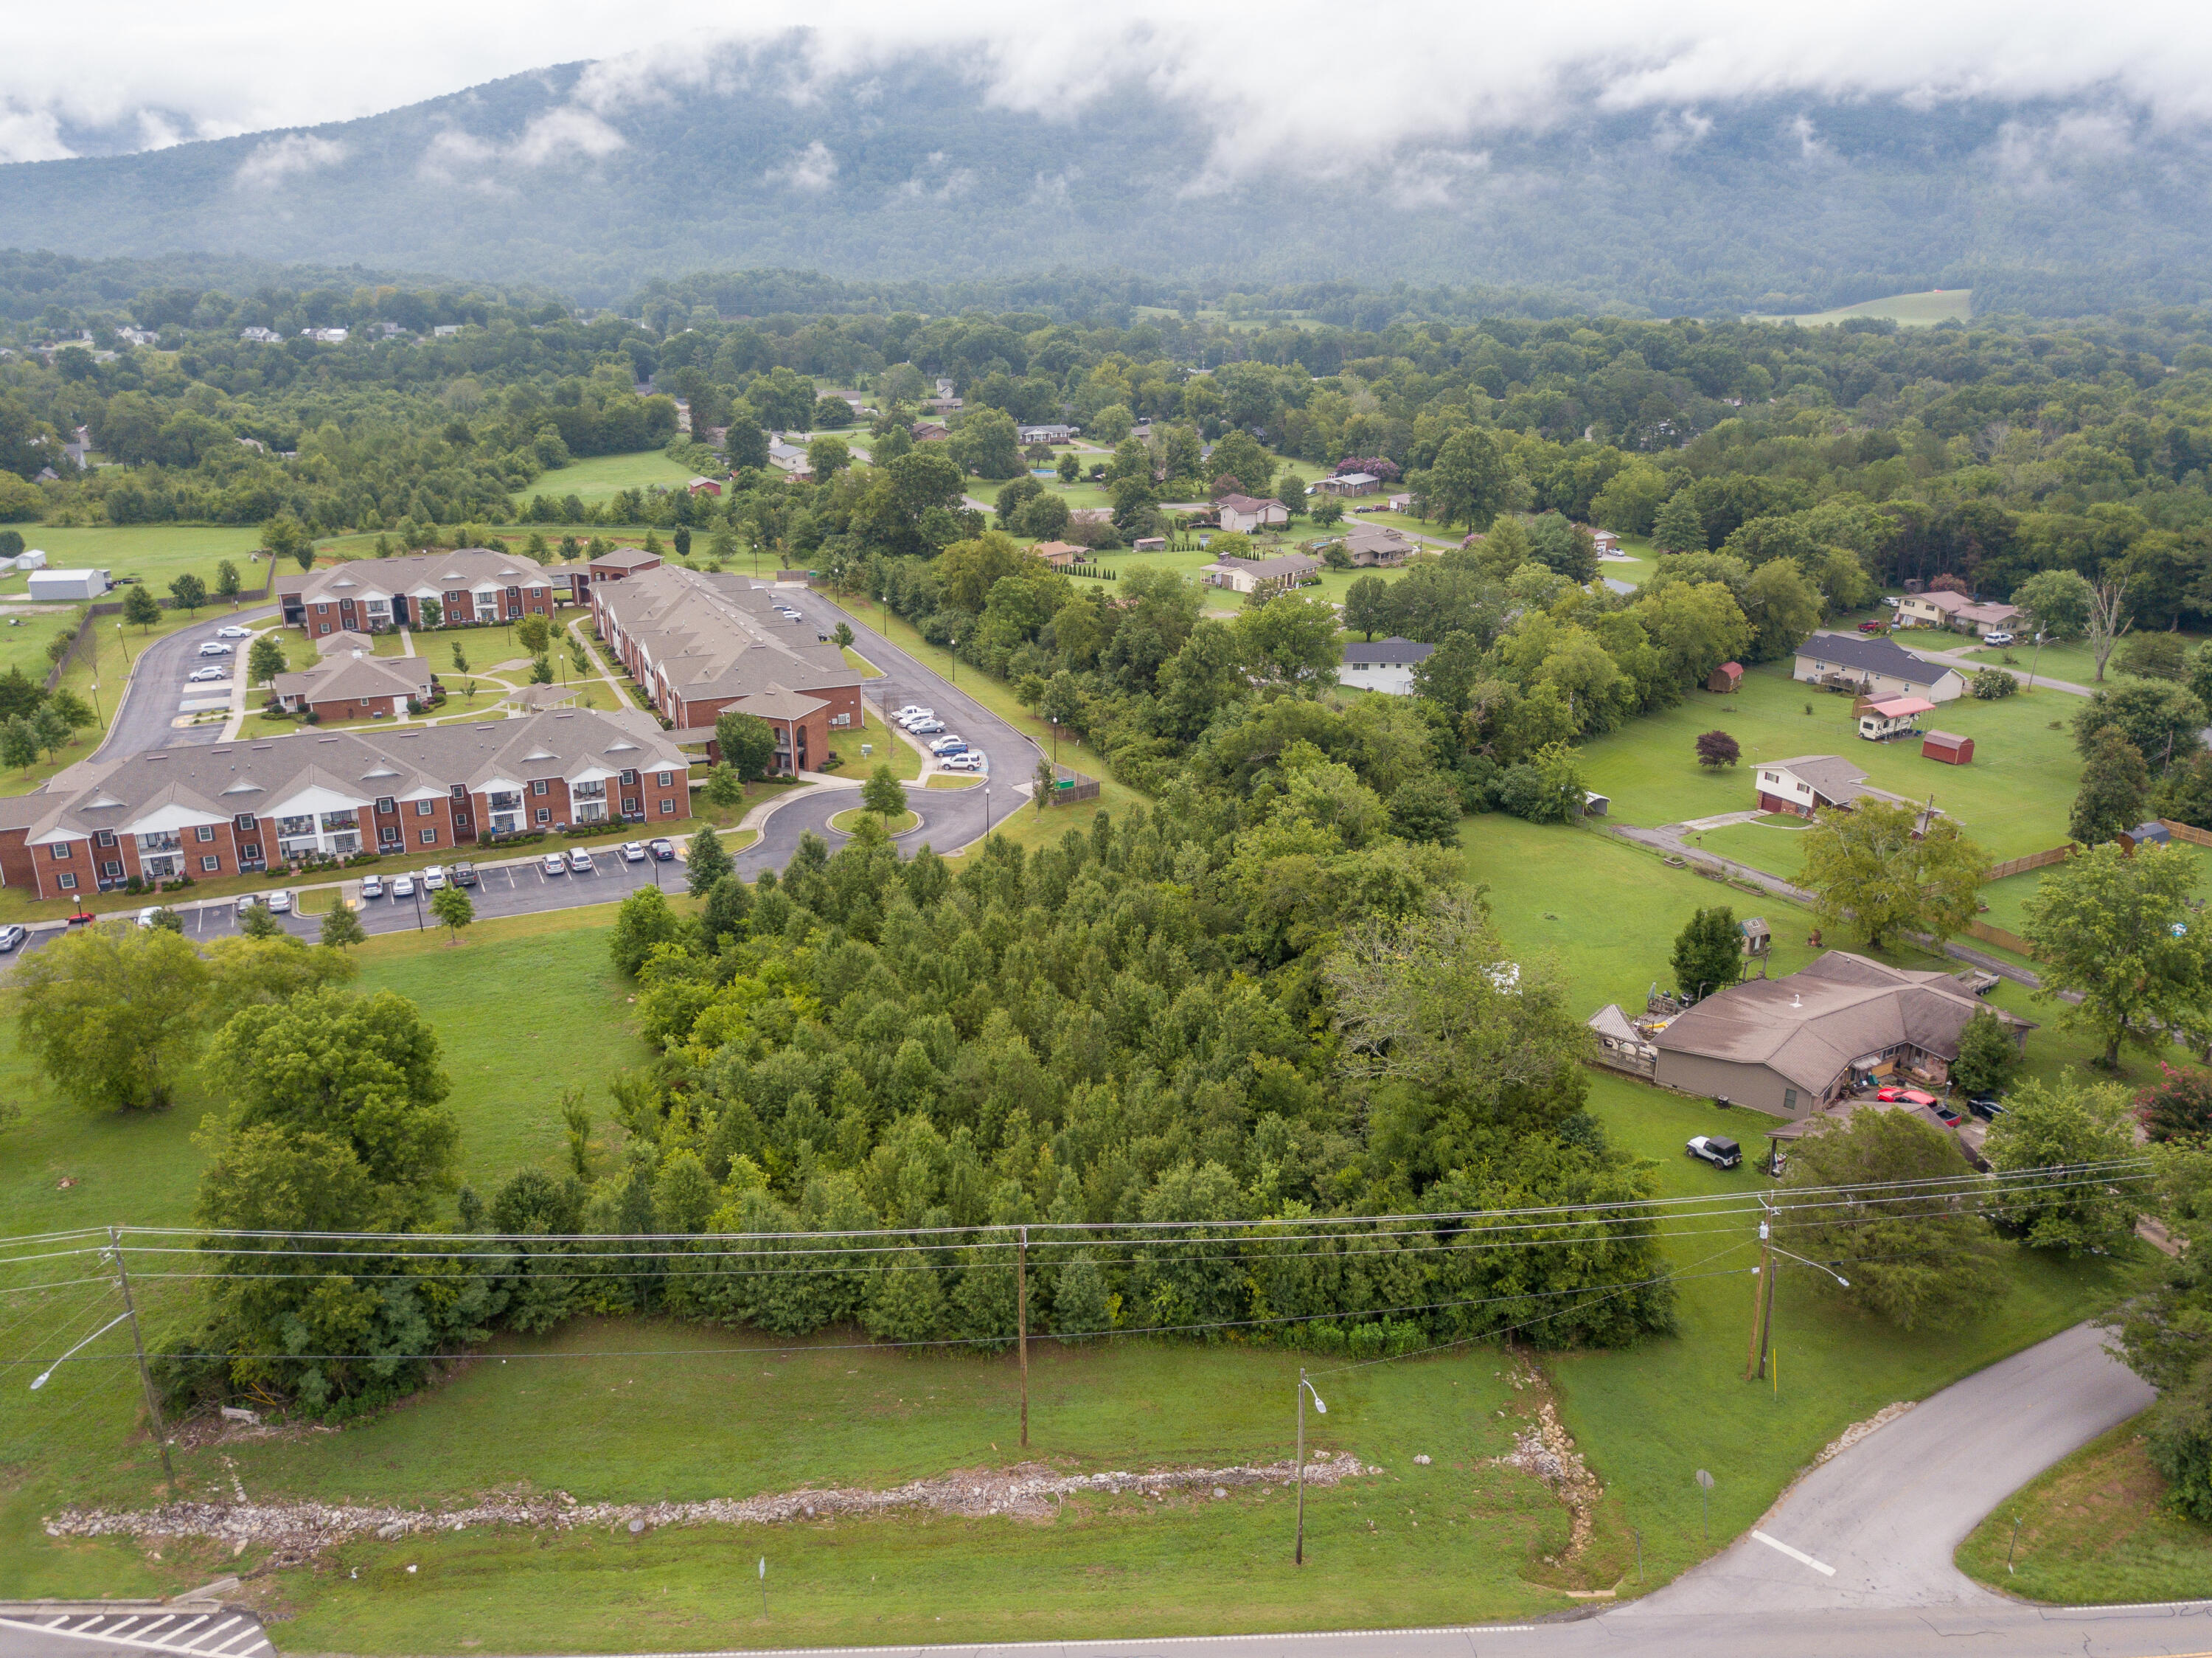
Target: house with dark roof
[[1798, 1045], [1874, 666], [1384, 665]]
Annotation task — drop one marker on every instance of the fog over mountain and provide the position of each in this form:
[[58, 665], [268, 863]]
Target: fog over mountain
[[1720, 160]]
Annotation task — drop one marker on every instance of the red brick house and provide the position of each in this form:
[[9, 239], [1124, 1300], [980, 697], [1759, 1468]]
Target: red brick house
[[350, 688], [374, 595]]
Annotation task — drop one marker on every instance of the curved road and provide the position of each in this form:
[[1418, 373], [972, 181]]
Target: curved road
[[145, 719]]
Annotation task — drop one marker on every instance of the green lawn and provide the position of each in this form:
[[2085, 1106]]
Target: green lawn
[[849, 821], [887, 748], [1922, 310], [603, 477], [2093, 1530], [2013, 800], [2072, 662], [158, 552]]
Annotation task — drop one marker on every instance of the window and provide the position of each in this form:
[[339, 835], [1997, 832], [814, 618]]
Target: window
[[429, 836], [544, 814], [666, 778], [105, 838], [424, 807], [251, 850], [668, 808], [111, 870], [540, 787], [1788, 1099], [203, 834], [61, 852], [244, 823], [322, 610], [385, 806], [68, 883], [628, 778], [209, 865], [629, 803]]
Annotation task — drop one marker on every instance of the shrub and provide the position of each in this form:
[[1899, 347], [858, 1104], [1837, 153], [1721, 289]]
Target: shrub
[[1991, 683], [1717, 749]]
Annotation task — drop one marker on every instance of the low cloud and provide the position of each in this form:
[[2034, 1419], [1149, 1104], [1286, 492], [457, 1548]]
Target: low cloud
[[279, 159], [32, 135], [813, 169]]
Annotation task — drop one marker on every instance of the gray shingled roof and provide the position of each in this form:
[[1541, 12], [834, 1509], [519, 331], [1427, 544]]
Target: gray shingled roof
[[464, 570], [718, 637], [1393, 652], [1867, 655]]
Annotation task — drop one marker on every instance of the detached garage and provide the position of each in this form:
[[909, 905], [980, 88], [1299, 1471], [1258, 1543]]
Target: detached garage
[[1947, 747]]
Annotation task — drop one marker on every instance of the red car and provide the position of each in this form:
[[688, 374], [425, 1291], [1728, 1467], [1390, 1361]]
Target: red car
[[1910, 1096], [1873, 627]]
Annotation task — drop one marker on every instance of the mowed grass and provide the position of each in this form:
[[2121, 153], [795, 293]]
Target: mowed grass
[[1922, 310], [2095, 1528], [602, 477], [157, 553], [2013, 800]]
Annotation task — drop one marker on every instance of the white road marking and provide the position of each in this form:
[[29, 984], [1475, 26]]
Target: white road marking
[[1798, 1555], [89, 1630]]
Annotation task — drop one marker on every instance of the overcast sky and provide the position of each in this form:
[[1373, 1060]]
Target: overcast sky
[[1292, 82]]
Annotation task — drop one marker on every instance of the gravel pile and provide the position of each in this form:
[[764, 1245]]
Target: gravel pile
[[1028, 1491]]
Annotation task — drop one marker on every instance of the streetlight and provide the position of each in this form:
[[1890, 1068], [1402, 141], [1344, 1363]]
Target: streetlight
[[1815, 1266], [956, 661], [125, 638], [96, 714], [1298, 1554], [46, 1375]]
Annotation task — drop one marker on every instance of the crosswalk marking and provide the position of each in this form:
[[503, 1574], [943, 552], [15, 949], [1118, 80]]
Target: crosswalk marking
[[201, 1635]]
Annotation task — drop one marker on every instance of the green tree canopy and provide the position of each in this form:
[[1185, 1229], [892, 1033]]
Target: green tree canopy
[[746, 742], [2114, 790], [1708, 952], [2120, 933], [1870, 871], [112, 1013]]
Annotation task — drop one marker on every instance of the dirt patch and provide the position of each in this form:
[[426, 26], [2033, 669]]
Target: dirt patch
[[1029, 1490], [1545, 1449]]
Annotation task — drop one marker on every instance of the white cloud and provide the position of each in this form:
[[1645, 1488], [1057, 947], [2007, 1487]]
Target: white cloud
[[32, 135], [813, 169], [278, 158], [567, 131]]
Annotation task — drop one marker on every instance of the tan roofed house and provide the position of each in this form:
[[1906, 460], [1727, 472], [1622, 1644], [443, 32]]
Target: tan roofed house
[[372, 595], [351, 687], [1806, 782], [1246, 513], [1243, 574]]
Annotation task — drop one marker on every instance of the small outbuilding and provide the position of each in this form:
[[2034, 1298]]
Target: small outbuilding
[[1728, 677], [68, 584], [1947, 747], [1892, 716]]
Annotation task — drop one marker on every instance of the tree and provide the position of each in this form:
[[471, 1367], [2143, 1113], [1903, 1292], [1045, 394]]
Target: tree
[[724, 787], [682, 540], [533, 632], [644, 922], [455, 909], [1367, 607], [882, 795], [2107, 619], [1708, 952], [728, 907], [2046, 1125], [705, 863], [1717, 749], [167, 918], [2179, 1107], [112, 1013], [285, 537], [1914, 1260], [264, 659], [1991, 684], [1871, 870], [2119, 933], [1989, 1056], [841, 636], [541, 669], [987, 444], [746, 743], [2058, 602], [267, 966], [51, 729], [2115, 784], [1045, 781], [1291, 641], [1426, 808], [1783, 606], [2163, 1334], [227, 579], [1472, 479], [342, 926], [19, 743], [2164, 722], [460, 658], [2156, 656], [1678, 528], [70, 708], [189, 591], [828, 456], [257, 922], [1069, 469], [1292, 492], [141, 607]]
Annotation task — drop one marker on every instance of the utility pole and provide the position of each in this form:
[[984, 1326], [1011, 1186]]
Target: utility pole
[[1762, 1295], [1022, 1321], [138, 1341]]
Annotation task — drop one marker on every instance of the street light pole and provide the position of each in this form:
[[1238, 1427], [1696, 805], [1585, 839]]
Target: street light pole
[[125, 638], [1299, 1553]]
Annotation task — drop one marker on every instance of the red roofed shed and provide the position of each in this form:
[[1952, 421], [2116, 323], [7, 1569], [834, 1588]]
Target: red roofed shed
[[1947, 747], [1727, 677]]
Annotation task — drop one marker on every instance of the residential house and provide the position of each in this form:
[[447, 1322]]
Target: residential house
[[1875, 666], [1955, 611], [928, 431], [1045, 434], [704, 487], [1061, 554], [1803, 785], [699, 643], [1384, 665], [236, 807], [445, 330], [1401, 501], [1378, 546], [368, 595], [615, 565], [789, 457], [1348, 484], [324, 336], [1247, 513], [1244, 574], [350, 687], [1607, 542], [1798, 1045], [261, 336]]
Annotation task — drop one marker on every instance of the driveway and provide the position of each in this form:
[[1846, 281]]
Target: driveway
[[152, 700]]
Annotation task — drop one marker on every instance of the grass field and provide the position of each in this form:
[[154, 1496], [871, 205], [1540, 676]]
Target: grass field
[[2013, 800], [603, 477], [2073, 660], [2093, 1530], [849, 821], [1908, 310], [887, 748], [158, 552]]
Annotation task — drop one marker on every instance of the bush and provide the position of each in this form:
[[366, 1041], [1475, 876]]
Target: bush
[[1991, 683], [1717, 749]]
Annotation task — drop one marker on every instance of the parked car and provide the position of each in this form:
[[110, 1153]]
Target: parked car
[[462, 875], [1909, 1096], [83, 918], [11, 936], [433, 879], [970, 761], [924, 727], [402, 886], [553, 864], [580, 860], [280, 901], [215, 648], [233, 631], [947, 745], [203, 675], [1873, 627], [1891, 599], [911, 711], [1987, 1109], [371, 886], [146, 916], [246, 902], [633, 852], [1715, 1148], [663, 850], [2000, 637], [1948, 1112]]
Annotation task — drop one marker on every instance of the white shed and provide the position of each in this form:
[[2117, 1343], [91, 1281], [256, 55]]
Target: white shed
[[68, 584]]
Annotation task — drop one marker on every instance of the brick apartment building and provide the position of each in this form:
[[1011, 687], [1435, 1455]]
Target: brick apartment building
[[245, 807], [701, 643], [354, 685], [372, 595]]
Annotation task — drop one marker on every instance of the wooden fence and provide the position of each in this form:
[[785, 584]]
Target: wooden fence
[[2188, 832], [1070, 786], [2041, 860], [2001, 938]]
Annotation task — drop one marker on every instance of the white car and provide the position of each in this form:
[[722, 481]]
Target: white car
[[246, 902], [402, 886], [280, 901], [633, 852], [146, 916], [371, 886], [215, 648], [970, 761], [947, 746], [911, 711], [1998, 637], [206, 676], [233, 631], [433, 879], [580, 861], [553, 864]]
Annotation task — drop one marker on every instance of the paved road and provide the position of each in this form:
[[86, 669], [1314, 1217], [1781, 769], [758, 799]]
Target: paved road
[[84, 1629], [146, 719]]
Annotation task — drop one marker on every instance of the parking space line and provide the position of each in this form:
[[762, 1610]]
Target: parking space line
[[1798, 1555]]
